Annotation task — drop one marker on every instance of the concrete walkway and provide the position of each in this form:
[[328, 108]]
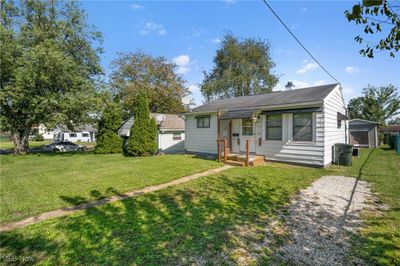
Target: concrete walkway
[[134, 193]]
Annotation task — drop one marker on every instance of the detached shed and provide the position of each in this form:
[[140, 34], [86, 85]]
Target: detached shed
[[364, 133]]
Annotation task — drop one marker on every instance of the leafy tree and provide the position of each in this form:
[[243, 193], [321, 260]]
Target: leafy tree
[[108, 140], [241, 67], [48, 65], [143, 135], [134, 73], [379, 17], [377, 104]]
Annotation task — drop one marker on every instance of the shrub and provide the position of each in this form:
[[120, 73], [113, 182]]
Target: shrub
[[143, 135], [38, 137], [108, 140]]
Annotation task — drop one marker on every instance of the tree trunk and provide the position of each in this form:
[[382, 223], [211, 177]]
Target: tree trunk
[[21, 141]]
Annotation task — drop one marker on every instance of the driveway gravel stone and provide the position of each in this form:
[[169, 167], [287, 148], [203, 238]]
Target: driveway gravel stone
[[319, 220]]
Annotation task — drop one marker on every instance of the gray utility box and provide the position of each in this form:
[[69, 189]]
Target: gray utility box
[[343, 154]]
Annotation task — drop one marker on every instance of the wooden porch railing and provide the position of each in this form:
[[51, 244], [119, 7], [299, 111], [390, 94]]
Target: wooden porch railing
[[224, 151], [225, 148], [247, 152]]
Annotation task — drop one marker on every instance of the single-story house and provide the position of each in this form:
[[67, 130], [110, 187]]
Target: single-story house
[[364, 133], [295, 126], [171, 132], [393, 130], [40, 129], [389, 130], [82, 133]]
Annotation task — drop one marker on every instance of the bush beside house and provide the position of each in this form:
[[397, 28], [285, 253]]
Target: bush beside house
[[143, 135], [108, 140]]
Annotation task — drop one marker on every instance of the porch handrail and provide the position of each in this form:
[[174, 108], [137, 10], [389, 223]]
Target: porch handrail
[[225, 143]]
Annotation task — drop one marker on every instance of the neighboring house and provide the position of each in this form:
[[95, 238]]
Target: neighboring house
[[295, 126], [390, 130], [393, 130], [364, 133], [40, 129], [83, 133], [171, 132]]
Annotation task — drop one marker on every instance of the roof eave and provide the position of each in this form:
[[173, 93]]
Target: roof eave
[[265, 107]]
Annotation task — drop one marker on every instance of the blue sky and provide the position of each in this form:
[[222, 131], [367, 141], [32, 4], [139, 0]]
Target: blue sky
[[189, 33]]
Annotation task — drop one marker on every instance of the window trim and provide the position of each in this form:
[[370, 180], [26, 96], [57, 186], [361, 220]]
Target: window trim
[[311, 125], [73, 134], [243, 126], [177, 137], [266, 128], [202, 118]]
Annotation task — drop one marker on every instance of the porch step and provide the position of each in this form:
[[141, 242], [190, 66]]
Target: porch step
[[234, 163], [241, 158]]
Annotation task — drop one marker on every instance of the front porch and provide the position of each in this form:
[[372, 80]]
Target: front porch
[[237, 138]]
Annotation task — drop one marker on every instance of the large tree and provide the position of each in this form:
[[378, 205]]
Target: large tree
[[108, 140], [48, 65], [378, 104], [381, 21], [143, 135], [241, 67], [135, 73]]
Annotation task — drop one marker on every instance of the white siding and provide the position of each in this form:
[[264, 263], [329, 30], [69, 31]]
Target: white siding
[[202, 140], [167, 143], [333, 103], [291, 151]]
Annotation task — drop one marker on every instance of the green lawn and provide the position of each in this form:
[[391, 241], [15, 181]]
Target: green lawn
[[9, 145], [217, 219], [41, 182], [379, 243]]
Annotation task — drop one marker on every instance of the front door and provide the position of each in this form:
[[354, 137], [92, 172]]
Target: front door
[[247, 130], [235, 135], [225, 128]]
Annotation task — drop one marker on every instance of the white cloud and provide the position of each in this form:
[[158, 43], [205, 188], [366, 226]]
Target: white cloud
[[307, 67], [351, 69], [136, 6], [216, 40], [194, 88], [150, 27], [183, 62], [319, 82]]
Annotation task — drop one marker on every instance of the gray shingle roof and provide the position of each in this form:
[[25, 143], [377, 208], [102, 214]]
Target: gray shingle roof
[[170, 122], [303, 95]]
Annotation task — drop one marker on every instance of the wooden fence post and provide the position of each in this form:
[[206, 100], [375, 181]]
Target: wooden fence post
[[225, 148], [219, 151], [247, 152]]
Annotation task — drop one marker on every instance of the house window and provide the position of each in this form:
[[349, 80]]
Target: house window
[[72, 135], [85, 135], [274, 127], [176, 136], [302, 127], [203, 122], [247, 127]]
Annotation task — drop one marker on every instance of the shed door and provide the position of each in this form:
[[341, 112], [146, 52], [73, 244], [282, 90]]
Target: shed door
[[359, 138]]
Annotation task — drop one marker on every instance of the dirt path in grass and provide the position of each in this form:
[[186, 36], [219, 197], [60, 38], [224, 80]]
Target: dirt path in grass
[[69, 210], [319, 220]]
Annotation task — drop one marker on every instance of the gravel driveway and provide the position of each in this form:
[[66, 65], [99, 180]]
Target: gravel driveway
[[319, 220]]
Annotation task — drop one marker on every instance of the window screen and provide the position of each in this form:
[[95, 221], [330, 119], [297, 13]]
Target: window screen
[[302, 127], [274, 127]]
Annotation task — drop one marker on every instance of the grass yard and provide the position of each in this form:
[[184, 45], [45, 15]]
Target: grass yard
[[379, 243], [9, 145], [42, 182], [217, 219]]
